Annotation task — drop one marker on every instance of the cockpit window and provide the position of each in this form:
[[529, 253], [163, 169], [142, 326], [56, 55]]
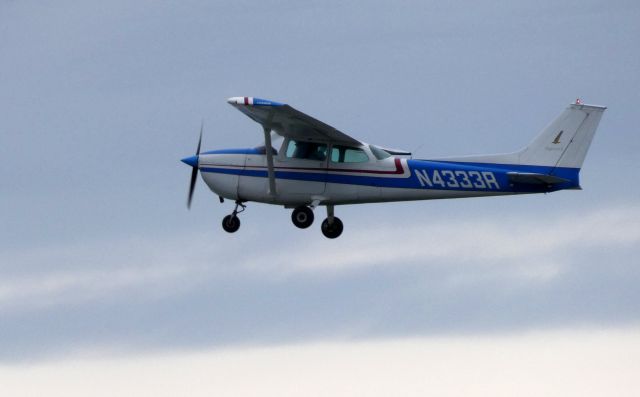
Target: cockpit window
[[379, 153], [346, 154], [306, 150]]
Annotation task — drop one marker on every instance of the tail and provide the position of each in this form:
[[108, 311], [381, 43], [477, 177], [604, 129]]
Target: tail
[[565, 142], [562, 144]]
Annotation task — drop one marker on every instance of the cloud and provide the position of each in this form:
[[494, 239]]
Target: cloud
[[558, 363], [518, 247], [520, 239], [438, 275]]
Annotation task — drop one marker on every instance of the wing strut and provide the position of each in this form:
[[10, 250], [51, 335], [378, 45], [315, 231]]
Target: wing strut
[[269, 151]]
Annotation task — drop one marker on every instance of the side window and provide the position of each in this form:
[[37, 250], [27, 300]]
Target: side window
[[291, 148], [306, 150], [352, 155], [346, 154], [335, 154]]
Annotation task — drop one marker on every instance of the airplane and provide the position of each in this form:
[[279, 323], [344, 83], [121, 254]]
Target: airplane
[[317, 165]]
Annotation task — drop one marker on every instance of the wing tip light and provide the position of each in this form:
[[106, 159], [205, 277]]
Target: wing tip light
[[251, 101]]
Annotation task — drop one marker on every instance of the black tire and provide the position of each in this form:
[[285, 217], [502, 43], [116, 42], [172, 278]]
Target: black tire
[[302, 217], [334, 230], [231, 223]]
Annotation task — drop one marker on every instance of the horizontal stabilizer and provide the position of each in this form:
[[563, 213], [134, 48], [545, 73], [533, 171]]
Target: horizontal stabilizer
[[532, 178]]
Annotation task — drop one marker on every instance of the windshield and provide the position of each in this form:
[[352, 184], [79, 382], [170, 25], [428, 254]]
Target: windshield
[[346, 154]]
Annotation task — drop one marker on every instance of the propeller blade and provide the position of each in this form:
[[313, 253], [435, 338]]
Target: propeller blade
[[192, 186], [194, 173], [200, 139]]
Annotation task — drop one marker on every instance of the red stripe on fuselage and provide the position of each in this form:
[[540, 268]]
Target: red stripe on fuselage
[[397, 171]]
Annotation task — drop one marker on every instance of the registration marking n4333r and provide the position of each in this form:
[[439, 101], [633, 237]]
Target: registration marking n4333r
[[457, 179]]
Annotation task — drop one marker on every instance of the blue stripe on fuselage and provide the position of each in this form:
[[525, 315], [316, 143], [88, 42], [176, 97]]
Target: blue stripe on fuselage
[[497, 171], [236, 151], [566, 173], [570, 174]]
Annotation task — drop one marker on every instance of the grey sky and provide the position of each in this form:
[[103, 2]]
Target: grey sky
[[101, 100]]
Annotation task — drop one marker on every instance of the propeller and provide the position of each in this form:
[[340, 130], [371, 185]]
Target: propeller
[[193, 162]]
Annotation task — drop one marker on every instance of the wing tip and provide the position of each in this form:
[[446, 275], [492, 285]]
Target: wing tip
[[251, 101]]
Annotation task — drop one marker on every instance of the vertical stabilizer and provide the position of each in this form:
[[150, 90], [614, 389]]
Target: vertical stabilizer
[[564, 142]]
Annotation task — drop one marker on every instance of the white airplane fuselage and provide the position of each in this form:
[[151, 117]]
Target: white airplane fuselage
[[241, 174]]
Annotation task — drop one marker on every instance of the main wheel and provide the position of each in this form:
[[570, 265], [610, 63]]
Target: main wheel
[[334, 230], [302, 217], [231, 223]]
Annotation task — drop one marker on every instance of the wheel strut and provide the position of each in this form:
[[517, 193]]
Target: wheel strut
[[330, 216], [231, 223], [238, 204]]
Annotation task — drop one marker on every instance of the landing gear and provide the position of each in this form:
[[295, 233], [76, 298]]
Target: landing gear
[[332, 226], [231, 223], [332, 230], [302, 217]]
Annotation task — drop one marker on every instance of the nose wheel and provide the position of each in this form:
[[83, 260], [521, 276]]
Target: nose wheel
[[231, 223], [302, 217]]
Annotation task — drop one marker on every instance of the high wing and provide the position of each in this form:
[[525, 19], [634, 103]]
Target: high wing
[[289, 122]]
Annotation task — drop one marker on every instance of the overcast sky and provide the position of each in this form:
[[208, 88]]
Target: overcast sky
[[100, 258]]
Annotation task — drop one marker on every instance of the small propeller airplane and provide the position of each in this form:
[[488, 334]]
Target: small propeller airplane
[[318, 165]]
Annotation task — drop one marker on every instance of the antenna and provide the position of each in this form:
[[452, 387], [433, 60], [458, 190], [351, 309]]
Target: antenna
[[414, 151]]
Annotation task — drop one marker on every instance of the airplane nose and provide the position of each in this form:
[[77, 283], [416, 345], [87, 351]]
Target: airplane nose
[[192, 161]]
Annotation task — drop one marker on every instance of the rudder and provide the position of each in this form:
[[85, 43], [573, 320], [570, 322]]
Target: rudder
[[564, 142]]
